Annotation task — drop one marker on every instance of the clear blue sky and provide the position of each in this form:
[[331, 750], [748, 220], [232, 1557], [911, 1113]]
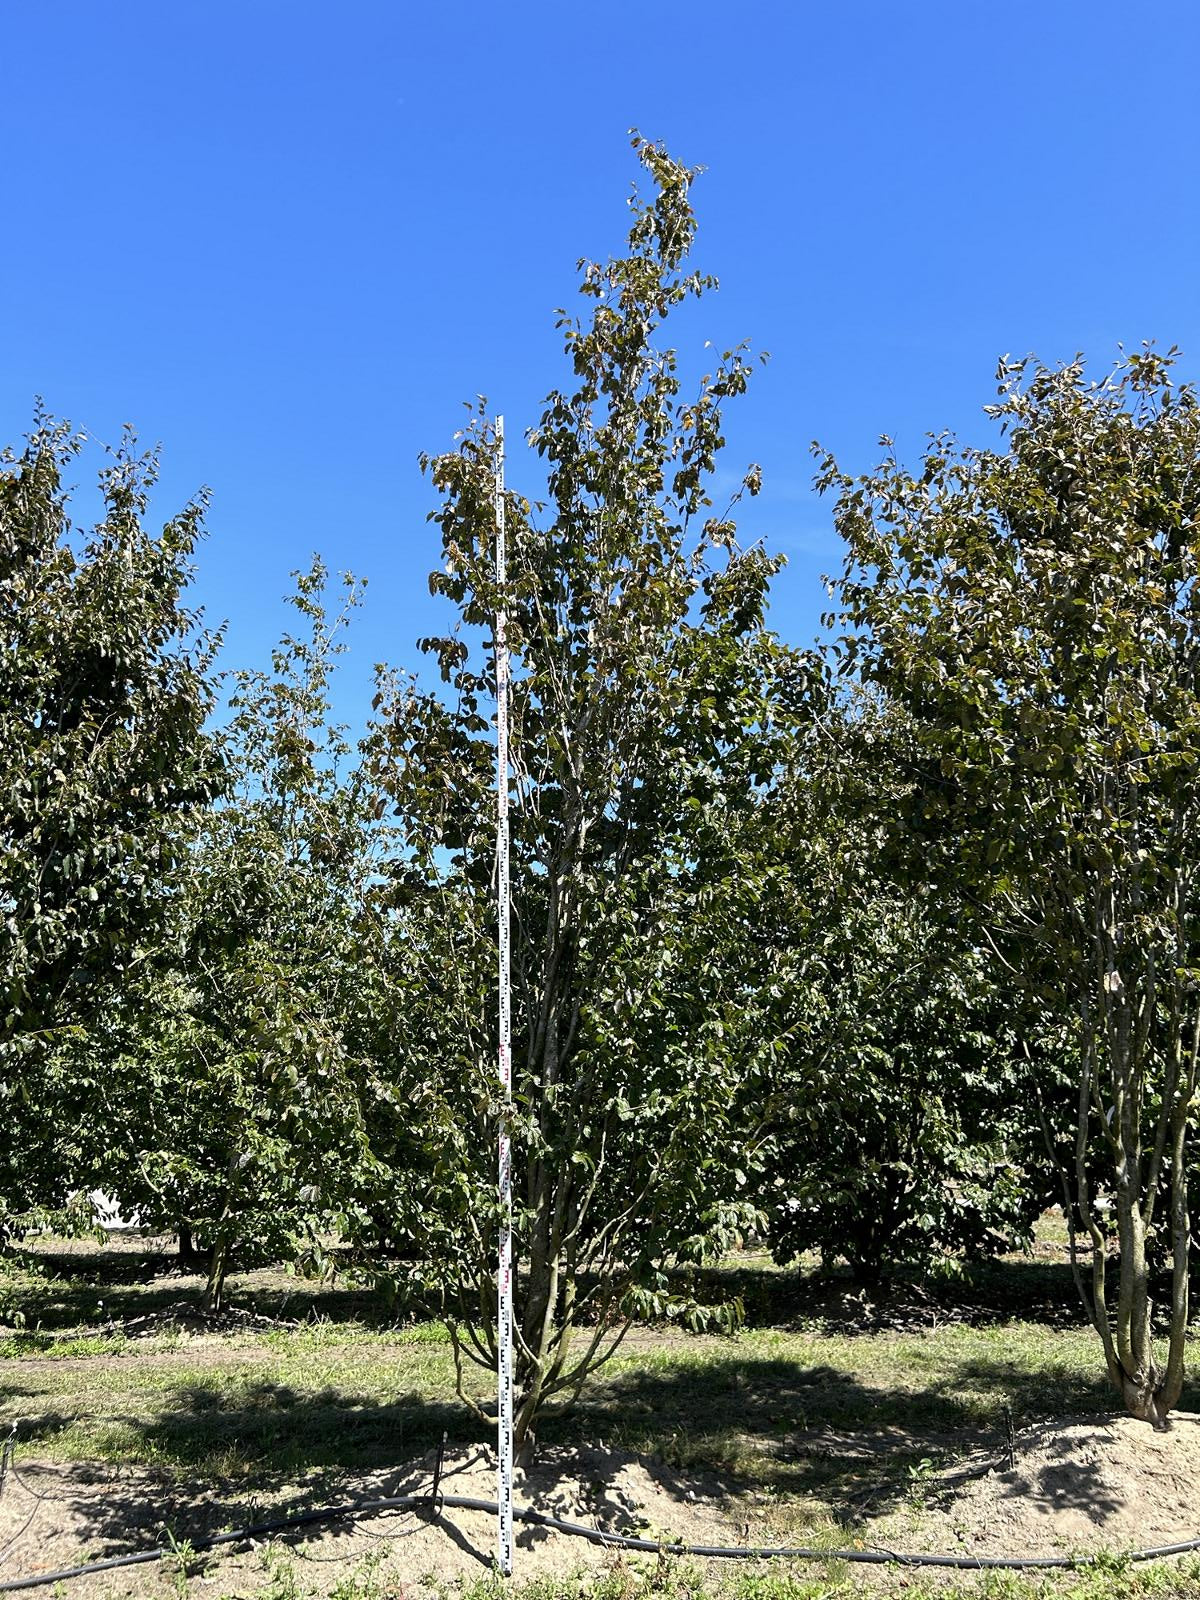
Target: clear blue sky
[[287, 239]]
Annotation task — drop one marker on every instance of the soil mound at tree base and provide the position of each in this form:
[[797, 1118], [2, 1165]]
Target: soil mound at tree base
[[56, 1515], [1089, 1484], [1083, 1486]]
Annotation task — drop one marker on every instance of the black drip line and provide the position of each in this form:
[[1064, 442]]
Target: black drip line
[[433, 1502]]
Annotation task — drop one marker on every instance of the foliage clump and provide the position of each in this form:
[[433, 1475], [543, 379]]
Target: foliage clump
[[647, 703], [1035, 611], [105, 691]]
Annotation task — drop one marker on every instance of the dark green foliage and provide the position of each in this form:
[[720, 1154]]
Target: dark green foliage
[[646, 702], [1036, 613], [103, 698], [897, 1088], [899, 1136]]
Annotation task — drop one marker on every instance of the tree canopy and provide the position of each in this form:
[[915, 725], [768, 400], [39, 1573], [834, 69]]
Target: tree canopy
[[647, 700], [1035, 610], [105, 690]]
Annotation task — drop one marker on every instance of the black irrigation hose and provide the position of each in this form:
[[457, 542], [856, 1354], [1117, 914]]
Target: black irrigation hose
[[876, 1556]]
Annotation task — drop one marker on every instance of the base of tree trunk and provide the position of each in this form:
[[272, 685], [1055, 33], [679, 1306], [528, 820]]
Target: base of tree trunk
[[1145, 1407]]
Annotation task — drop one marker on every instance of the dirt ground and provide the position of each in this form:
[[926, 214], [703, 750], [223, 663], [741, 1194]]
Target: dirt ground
[[1092, 1484], [1088, 1484], [54, 1515]]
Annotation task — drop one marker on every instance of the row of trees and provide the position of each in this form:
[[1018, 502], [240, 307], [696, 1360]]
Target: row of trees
[[871, 948]]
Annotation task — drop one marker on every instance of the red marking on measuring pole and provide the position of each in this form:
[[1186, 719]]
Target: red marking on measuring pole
[[504, 1320]]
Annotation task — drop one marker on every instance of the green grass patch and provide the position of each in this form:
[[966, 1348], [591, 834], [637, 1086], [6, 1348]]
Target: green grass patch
[[357, 1397], [276, 1404], [54, 1347]]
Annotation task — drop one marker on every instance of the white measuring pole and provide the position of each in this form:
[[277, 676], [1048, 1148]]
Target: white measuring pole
[[504, 1498]]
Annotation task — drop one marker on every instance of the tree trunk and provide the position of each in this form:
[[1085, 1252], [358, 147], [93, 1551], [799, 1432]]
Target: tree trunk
[[1142, 1156], [213, 1299], [866, 1270]]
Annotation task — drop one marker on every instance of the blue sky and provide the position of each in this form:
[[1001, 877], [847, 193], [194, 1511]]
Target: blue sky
[[287, 240]]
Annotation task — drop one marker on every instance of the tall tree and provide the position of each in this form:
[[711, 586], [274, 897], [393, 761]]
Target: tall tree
[[232, 1103], [104, 692], [646, 697], [1037, 611]]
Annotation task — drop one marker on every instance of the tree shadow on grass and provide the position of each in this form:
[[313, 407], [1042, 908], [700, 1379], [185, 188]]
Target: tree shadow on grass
[[838, 1447], [267, 1431], [986, 1293], [816, 1432], [107, 1287], [87, 1264], [766, 1396]]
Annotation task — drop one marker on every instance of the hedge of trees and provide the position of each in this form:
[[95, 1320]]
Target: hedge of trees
[[877, 950]]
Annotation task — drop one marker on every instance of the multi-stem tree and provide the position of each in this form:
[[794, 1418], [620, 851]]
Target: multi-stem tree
[[1037, 612], [645, 697]]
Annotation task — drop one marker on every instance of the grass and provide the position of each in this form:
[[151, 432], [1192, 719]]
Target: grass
[[354, 1396], [62, 1285], [274, 1404], [646, 1579], [818, 1411]]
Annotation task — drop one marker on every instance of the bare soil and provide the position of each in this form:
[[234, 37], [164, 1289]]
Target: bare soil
[[54, 1516], [1075, 1487], [1082, 1486]]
